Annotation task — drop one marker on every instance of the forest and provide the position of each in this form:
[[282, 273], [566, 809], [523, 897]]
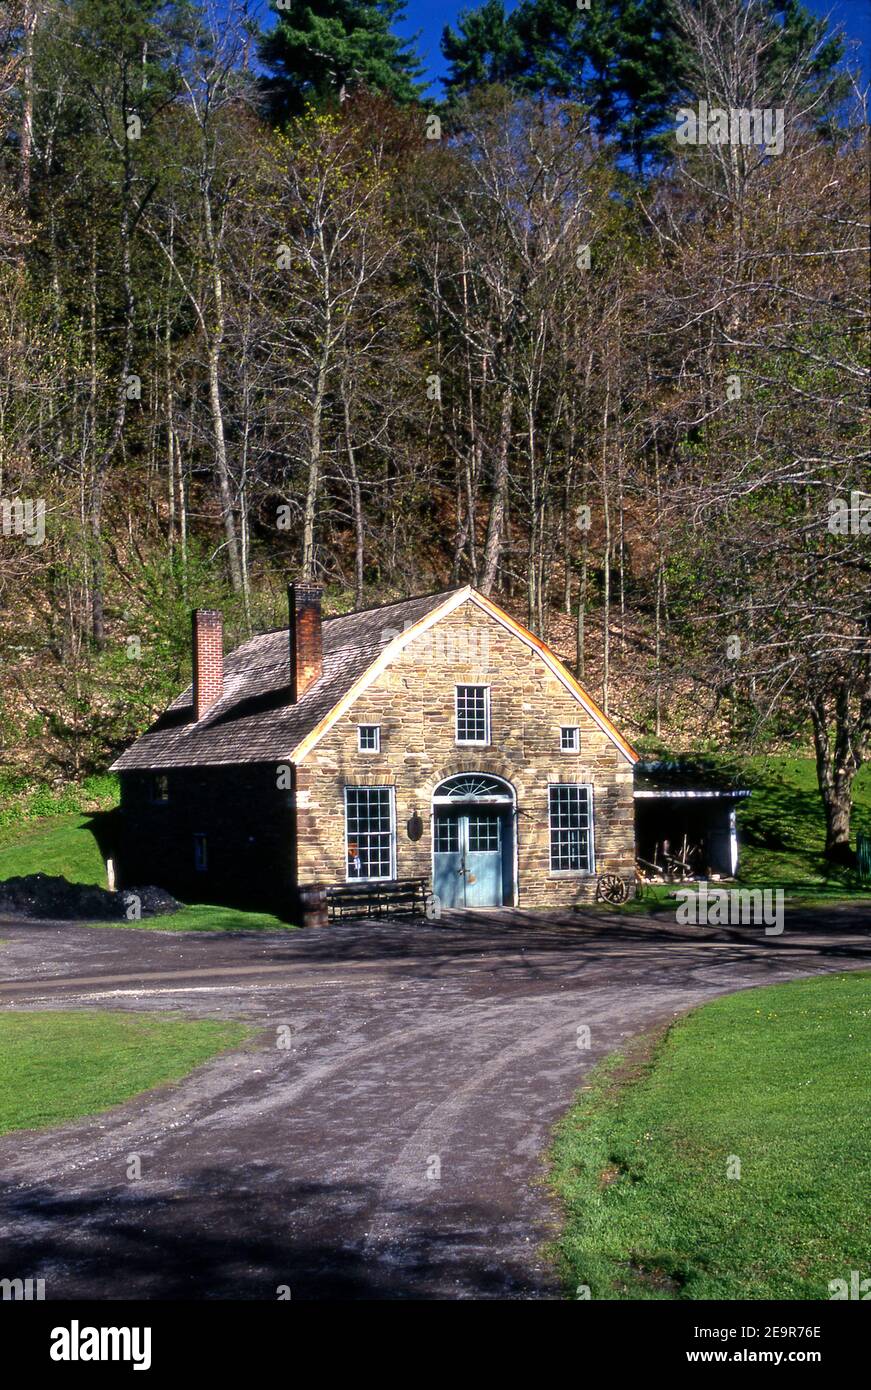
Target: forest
[[589, 332]]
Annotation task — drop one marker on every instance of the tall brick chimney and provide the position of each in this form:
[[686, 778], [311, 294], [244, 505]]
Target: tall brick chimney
[[208, 645], [306, 642]]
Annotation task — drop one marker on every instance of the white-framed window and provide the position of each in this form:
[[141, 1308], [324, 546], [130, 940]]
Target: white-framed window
[[570, 738], [201, 853], [570, 815], [370, 833], [159, 788], [473, 714], [369, 738]]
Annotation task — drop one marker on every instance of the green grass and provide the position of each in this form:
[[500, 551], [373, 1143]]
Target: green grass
[[776, 1077], [55, 1067], [205, 917], [62, 845], [781, 836], [781, 829]]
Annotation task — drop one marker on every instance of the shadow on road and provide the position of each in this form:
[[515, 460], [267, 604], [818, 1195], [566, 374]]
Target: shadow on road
[[246, 1237]]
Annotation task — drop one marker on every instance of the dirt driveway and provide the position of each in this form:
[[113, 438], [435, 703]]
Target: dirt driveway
[[394, 1149]]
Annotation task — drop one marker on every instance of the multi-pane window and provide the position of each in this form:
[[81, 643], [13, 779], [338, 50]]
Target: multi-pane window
[[570, 738], [473, 714], [483, 832], [201, 854], [369, 738], [571, 829], [369, 832], [447, 835]]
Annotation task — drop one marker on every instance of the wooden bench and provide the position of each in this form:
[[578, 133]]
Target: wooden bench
[[378, 899]]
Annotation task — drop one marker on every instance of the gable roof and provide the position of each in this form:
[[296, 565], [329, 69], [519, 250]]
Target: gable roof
[[254, 721]]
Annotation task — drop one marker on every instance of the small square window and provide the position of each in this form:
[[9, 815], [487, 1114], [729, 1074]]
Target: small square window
[[369, 738], [473, 714], [160, 788], [201, 858], [570, 738]]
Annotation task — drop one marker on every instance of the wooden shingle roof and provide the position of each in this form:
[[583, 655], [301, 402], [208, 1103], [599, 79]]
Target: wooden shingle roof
[[254, 720]]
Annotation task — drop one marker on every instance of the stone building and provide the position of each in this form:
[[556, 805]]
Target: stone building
[[432, 737]]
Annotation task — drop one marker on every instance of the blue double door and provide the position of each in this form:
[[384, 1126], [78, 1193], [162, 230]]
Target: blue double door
[[470, 850]]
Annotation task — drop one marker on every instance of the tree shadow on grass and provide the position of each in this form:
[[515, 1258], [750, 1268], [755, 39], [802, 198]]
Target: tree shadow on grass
[[105, 826]]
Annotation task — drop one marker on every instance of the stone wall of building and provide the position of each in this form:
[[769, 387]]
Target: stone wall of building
[[413, 703]]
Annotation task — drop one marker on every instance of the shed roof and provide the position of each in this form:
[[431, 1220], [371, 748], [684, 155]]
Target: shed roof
[[686, 777]]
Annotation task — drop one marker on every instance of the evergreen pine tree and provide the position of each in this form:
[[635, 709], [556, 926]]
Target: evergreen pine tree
[[321, 50]]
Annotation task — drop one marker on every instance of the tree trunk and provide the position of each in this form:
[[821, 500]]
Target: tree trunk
[[216, 339], [835, 773], [356, 509], [660, 570], [221, 466], [496, 520], [606, 559], [314, 473], [26, 137]]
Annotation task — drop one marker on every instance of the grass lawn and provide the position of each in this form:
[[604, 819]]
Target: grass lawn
[[63, 845], [775, 1077], [781, 835], [206, 917], [781, 829], [57, 1066]]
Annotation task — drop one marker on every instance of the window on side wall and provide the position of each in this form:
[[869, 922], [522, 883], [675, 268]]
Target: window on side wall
[[201, 854], [159, 788], [369, 738], [473, 714], [570, 738], [571, 828], [370, 832]]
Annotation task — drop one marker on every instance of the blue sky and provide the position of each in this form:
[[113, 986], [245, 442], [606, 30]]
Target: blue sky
[[430, 17]]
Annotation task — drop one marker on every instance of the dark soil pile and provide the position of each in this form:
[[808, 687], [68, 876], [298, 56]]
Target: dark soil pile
[[40, 895]]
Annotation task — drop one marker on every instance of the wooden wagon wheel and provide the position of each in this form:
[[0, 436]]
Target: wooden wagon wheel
[[610, 888]]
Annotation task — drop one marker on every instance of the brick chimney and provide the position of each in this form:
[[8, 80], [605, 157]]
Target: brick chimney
[[208, 645], [306, 642]]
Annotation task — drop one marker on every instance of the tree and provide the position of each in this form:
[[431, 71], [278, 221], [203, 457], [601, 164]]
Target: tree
[[206, 160], [635, 63], [764, 306], [101, 77], [533, 49], [324, 50], [632, 62], [485, 48], [330, 308]]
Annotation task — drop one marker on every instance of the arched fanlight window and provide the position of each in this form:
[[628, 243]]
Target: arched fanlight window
[[472, 786]]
